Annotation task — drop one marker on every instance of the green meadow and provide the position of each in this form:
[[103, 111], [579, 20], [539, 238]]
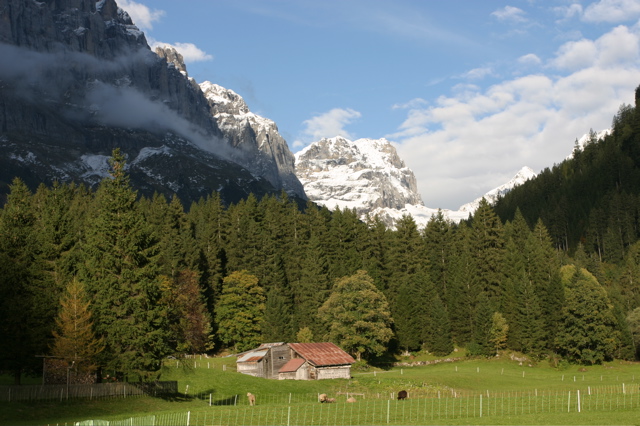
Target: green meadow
[[497, 391]]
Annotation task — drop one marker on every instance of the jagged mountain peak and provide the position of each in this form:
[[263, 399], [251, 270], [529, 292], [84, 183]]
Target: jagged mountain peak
[[364, 174]]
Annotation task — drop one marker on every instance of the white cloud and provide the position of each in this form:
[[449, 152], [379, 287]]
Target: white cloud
[[575, 55], [189, 51], [612, 11], [413, 103], [568, 12], [529, 59], [462, 145], [328, 125], [479, 73], [141, 15], [510, 14], [618, 47]]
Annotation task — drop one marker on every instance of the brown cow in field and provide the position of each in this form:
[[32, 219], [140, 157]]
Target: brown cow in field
[[402, 395]]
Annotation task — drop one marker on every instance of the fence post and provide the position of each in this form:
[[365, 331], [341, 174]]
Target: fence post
[[480, 405], [288, 415], [188, 417], [569, 402], [388, 407], [578, 400]]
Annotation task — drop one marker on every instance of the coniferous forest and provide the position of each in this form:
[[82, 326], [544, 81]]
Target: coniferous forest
[[113, 281]]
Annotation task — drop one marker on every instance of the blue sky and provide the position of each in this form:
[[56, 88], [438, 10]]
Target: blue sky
[[469, 91]]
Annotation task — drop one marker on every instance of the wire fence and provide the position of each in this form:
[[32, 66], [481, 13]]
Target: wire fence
[[374, 411], [90, 391]]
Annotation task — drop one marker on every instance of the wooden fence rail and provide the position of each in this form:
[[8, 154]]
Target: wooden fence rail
[[91, 391]]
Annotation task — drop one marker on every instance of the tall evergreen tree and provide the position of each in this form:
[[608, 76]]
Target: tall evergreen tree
[[19, 342], [439, 341], [240, 311], [120, 272], [488, 247], [437, 236], [461, 295]]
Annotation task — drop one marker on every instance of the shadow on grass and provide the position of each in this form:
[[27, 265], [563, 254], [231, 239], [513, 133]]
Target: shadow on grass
[[210, 395]]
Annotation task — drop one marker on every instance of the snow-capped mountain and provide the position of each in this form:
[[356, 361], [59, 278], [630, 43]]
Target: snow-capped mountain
[[587, 138], [363, 174], [82, 80], [492, 196], [369, 176]]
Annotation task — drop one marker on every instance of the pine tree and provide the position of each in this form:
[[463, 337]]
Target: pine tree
[[438, 238], [488, 247], [19, 343], [357, 316], [482, 343], [411, 317], [120, 272], [461, 295], [74, 340], [240, 311], [439, 341]]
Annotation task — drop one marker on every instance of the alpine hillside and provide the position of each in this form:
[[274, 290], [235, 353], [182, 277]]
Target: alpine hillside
[[79, 79], [369, 176]]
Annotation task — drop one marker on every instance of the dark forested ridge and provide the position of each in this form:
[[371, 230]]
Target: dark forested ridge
[[555, 278], [592, 198]]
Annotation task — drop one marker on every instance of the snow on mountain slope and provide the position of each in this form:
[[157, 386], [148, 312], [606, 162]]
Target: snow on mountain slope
[[369, 176]]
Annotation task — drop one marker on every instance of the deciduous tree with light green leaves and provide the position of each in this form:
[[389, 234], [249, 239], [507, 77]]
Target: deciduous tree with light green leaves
[[240, 311], [357, 316], [586, 333]]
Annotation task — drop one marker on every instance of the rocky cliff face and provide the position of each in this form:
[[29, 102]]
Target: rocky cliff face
[[77, 79], [256, 136]]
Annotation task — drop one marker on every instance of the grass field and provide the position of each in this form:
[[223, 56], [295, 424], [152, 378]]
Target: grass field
[[211, 392]]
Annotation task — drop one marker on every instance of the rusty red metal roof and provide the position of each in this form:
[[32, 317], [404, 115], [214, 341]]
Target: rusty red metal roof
[[322, 354], [292, 365]]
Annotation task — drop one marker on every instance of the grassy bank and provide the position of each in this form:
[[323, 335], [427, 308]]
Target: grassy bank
[[211, 390]]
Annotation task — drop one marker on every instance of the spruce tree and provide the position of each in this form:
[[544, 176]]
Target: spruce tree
[[240, 311], [488, 248], [120, 272], [19, 310], [461, 295], [439, 341]]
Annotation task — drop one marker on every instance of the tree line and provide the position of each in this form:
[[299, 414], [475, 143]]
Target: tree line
[[137, 279]]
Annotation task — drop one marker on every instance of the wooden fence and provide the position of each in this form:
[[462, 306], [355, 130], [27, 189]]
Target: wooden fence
[[92, 391]]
